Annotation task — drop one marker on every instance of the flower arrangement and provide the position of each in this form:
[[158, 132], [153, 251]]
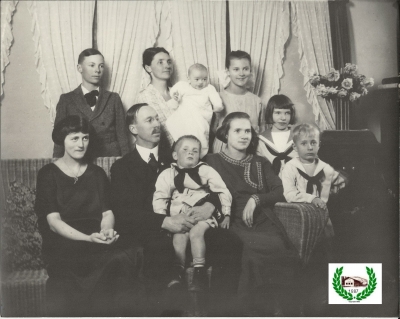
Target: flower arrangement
[[348, 85]]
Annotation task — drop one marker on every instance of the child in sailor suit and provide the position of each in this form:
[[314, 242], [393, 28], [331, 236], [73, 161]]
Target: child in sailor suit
[[183, 186], [307, 179], [276, 143]]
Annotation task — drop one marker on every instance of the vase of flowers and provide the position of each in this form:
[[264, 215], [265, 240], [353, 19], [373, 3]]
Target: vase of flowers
[[339, 89]]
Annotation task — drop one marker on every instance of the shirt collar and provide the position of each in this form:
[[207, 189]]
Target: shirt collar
[[145, 152], [320, 165], [198, 164], [85, 90]]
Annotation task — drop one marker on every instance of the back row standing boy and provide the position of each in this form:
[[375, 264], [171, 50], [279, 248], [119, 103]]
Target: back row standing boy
[[103, 109]]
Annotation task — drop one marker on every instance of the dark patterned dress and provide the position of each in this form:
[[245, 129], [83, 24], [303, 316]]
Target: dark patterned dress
[[268, 256], [84, 278]]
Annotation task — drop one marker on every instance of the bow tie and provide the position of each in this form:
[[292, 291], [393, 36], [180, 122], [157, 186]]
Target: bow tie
[[91, 97], [276, 163], [180, 178], [313, 180]]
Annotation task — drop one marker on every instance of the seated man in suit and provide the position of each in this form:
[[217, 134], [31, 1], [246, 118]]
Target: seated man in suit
[[103, 109], [133, 179]]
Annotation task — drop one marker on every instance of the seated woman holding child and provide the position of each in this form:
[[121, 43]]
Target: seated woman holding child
[[269, 261]]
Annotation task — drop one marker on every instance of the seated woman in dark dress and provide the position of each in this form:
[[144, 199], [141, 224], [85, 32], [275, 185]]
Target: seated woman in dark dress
[[269, 261], [87, 275]]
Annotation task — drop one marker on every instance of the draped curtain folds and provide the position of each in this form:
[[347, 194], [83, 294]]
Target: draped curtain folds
[[311, 24], [61, 30], [124, 30], [341, 56], [261, 28], [7, 11], [196, 33]]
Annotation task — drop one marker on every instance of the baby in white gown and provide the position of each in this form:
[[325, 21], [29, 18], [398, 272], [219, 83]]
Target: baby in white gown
[[197, 102]]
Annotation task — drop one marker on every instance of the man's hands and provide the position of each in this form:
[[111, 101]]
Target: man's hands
[[178, 224], [248, 212], [106, 236], [318, 202], [202, 212]]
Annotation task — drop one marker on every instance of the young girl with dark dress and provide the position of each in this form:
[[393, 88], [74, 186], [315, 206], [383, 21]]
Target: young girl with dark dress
[[269, 261], [87, 275]]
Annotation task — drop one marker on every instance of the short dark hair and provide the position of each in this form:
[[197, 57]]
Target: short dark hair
[[185, 137], [149, 54], [222, 132], [236, 55], [131, 114], [279, 101], [68, 125], [88, 52]]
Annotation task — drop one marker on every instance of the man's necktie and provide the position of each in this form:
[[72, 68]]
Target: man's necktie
[[153, 162], [180, 177], [91, 97], [313, 180], [276, 163]]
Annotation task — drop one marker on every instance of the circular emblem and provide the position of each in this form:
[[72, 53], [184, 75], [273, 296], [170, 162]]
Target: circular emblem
[[337, 285]]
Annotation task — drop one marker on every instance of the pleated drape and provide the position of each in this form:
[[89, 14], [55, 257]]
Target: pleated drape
[[124, 30], [196, 33], [7, 11], [61, 31], [311, 25]]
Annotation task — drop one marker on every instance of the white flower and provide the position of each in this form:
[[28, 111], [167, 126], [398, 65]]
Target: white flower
[[369, 82], [350, 68], [332, 90], [322, 90], [333, 75], [364, 91], [354, 96], [347, 83]]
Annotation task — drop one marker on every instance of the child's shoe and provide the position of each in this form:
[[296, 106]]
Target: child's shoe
[[200, 280], [178, 277]]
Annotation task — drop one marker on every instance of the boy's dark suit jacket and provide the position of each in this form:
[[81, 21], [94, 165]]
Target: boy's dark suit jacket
[[107, 119]]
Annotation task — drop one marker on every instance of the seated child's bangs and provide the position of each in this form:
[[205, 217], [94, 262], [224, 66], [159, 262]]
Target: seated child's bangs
[[279, 101]]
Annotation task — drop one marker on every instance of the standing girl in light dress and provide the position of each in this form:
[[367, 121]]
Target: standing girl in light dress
[[236, 97], [276, 143]]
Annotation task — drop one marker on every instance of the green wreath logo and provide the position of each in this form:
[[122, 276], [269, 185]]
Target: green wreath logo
[[348, 295]]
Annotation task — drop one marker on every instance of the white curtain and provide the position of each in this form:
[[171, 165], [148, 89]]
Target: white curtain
[[261, 28], [61, 30], [124, 30], [7, 11], [311, 25], [196, 33]]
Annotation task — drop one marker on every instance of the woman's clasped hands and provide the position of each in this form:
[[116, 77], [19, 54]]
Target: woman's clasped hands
[[106, 236]]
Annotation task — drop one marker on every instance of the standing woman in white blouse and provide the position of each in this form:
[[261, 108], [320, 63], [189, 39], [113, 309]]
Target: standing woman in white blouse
[[158, 64], [275, 143]]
